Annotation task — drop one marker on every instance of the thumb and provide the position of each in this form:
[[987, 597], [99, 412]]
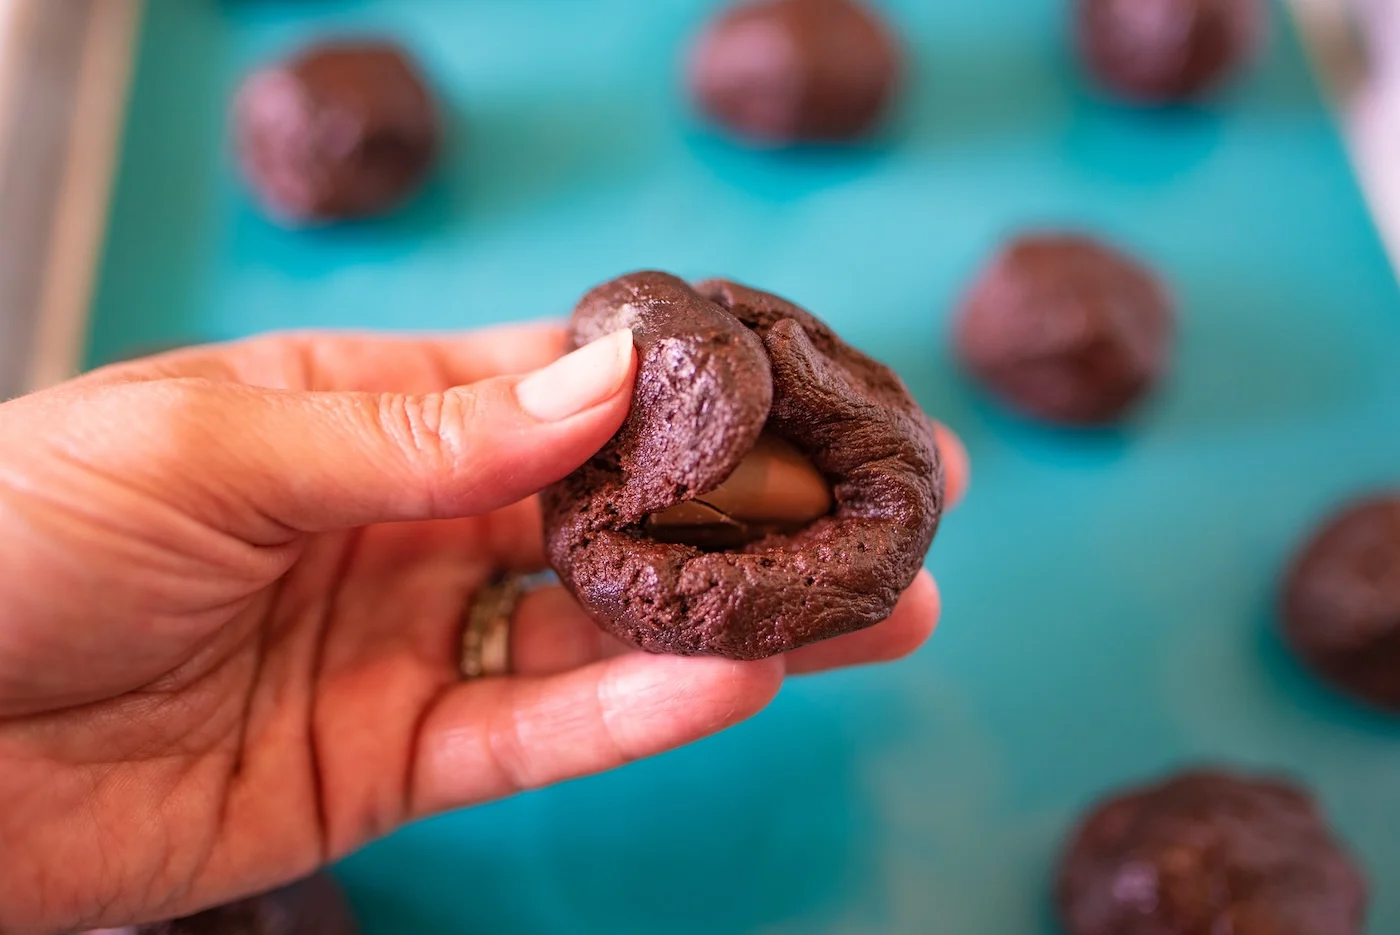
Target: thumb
[[267, 463]]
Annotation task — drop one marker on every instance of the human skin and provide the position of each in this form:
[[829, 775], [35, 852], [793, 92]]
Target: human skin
[[231, 588]]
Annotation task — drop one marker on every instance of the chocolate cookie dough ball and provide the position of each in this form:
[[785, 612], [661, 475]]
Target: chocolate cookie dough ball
[[314, 906], [1066, 329], [1341, 601], [771, 487], [1159, 51], [1207, 853], [339, 131], [793, 71]]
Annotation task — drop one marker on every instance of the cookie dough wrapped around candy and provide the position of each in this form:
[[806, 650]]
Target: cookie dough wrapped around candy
[[771, 486]]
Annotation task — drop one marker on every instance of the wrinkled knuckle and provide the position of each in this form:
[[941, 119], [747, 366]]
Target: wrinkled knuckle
[[460, 410], [412, 425], [428, 428]]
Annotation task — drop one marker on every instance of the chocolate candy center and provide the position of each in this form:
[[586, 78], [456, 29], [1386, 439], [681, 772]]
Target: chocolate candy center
[[773, 490]]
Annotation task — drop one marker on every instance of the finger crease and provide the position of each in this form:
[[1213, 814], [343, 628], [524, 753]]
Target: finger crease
[[316, 665], [506, 745], [603, 697]]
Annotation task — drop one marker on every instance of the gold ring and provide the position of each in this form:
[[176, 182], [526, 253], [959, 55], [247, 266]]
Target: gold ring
[[486, 633]]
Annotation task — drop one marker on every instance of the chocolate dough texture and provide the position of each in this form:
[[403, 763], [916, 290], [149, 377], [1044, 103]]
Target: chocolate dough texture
[[1341, 601], [1208, 853], [339, 131], [780, 72], [1164, 51], [314, 906], [1066, 329], [719, 365]]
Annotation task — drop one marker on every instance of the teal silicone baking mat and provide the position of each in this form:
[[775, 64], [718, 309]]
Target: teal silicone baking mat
[[1107, 595]]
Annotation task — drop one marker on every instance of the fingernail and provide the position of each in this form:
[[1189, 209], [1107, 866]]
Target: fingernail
[[577, 381]]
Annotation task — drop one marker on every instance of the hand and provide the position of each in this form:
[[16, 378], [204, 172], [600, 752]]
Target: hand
[[231, 589]]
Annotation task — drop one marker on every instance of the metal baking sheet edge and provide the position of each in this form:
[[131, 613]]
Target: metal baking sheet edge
[[65, 69]]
